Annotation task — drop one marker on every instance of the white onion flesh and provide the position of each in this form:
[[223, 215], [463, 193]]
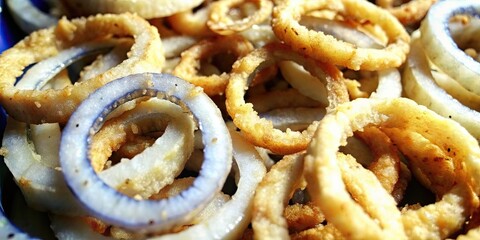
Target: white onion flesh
[[231, 220], [38, 75], [420, 86], [120, 210], [158, 165], [28, 17], [440, 47]]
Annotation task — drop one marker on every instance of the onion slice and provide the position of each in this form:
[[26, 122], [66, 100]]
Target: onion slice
[[117, 209], [28, 17], [442, 50], [233, 218], [420, 86]]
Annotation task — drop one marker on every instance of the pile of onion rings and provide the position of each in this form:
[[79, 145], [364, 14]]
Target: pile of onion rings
[[236, 119]]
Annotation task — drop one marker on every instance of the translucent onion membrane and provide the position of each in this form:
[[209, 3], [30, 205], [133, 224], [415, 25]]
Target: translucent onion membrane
[[28, 17], [420, 86], [441, 48], [144, 8], [118, 209]]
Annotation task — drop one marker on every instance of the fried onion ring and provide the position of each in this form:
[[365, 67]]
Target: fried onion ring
[[285, 23], [321, 164], [260, 131], [192, 58], [144, 8], [442, 50], [220, 22], [33, 106], [407, 13]]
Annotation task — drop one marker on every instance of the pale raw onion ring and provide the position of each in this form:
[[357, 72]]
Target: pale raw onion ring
[[117, 209], [442, 50], [33, 106], [316, 44], [304, 82], [259, 35]]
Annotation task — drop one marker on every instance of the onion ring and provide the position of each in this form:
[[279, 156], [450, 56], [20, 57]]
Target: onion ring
[[144, 8], [28, 17], [407, 13], [205, 49], [158, 165], [420, 86], [236, 213], [146, 55], [441, 48], [326, 48], [268, 221], [39, 177], [144, 216], [260, 131], [192, 23], [397, 113], [220, 22]]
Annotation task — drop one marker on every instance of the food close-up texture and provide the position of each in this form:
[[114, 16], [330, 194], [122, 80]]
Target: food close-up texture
[[240, 119]]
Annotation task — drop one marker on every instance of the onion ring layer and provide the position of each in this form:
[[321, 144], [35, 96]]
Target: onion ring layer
[[33, 106], [326, 48], [260, 131], [118, 209], [442, 50]]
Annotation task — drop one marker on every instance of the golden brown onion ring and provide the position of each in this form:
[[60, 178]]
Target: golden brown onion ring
[[34, 106], [192, 23], [386, 163], [221, 22], [278, 99], [407, 13], [272, 196], [260, 131], [325, 176], [144, 8], [420, 86], [285, 23], [191, 60]]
